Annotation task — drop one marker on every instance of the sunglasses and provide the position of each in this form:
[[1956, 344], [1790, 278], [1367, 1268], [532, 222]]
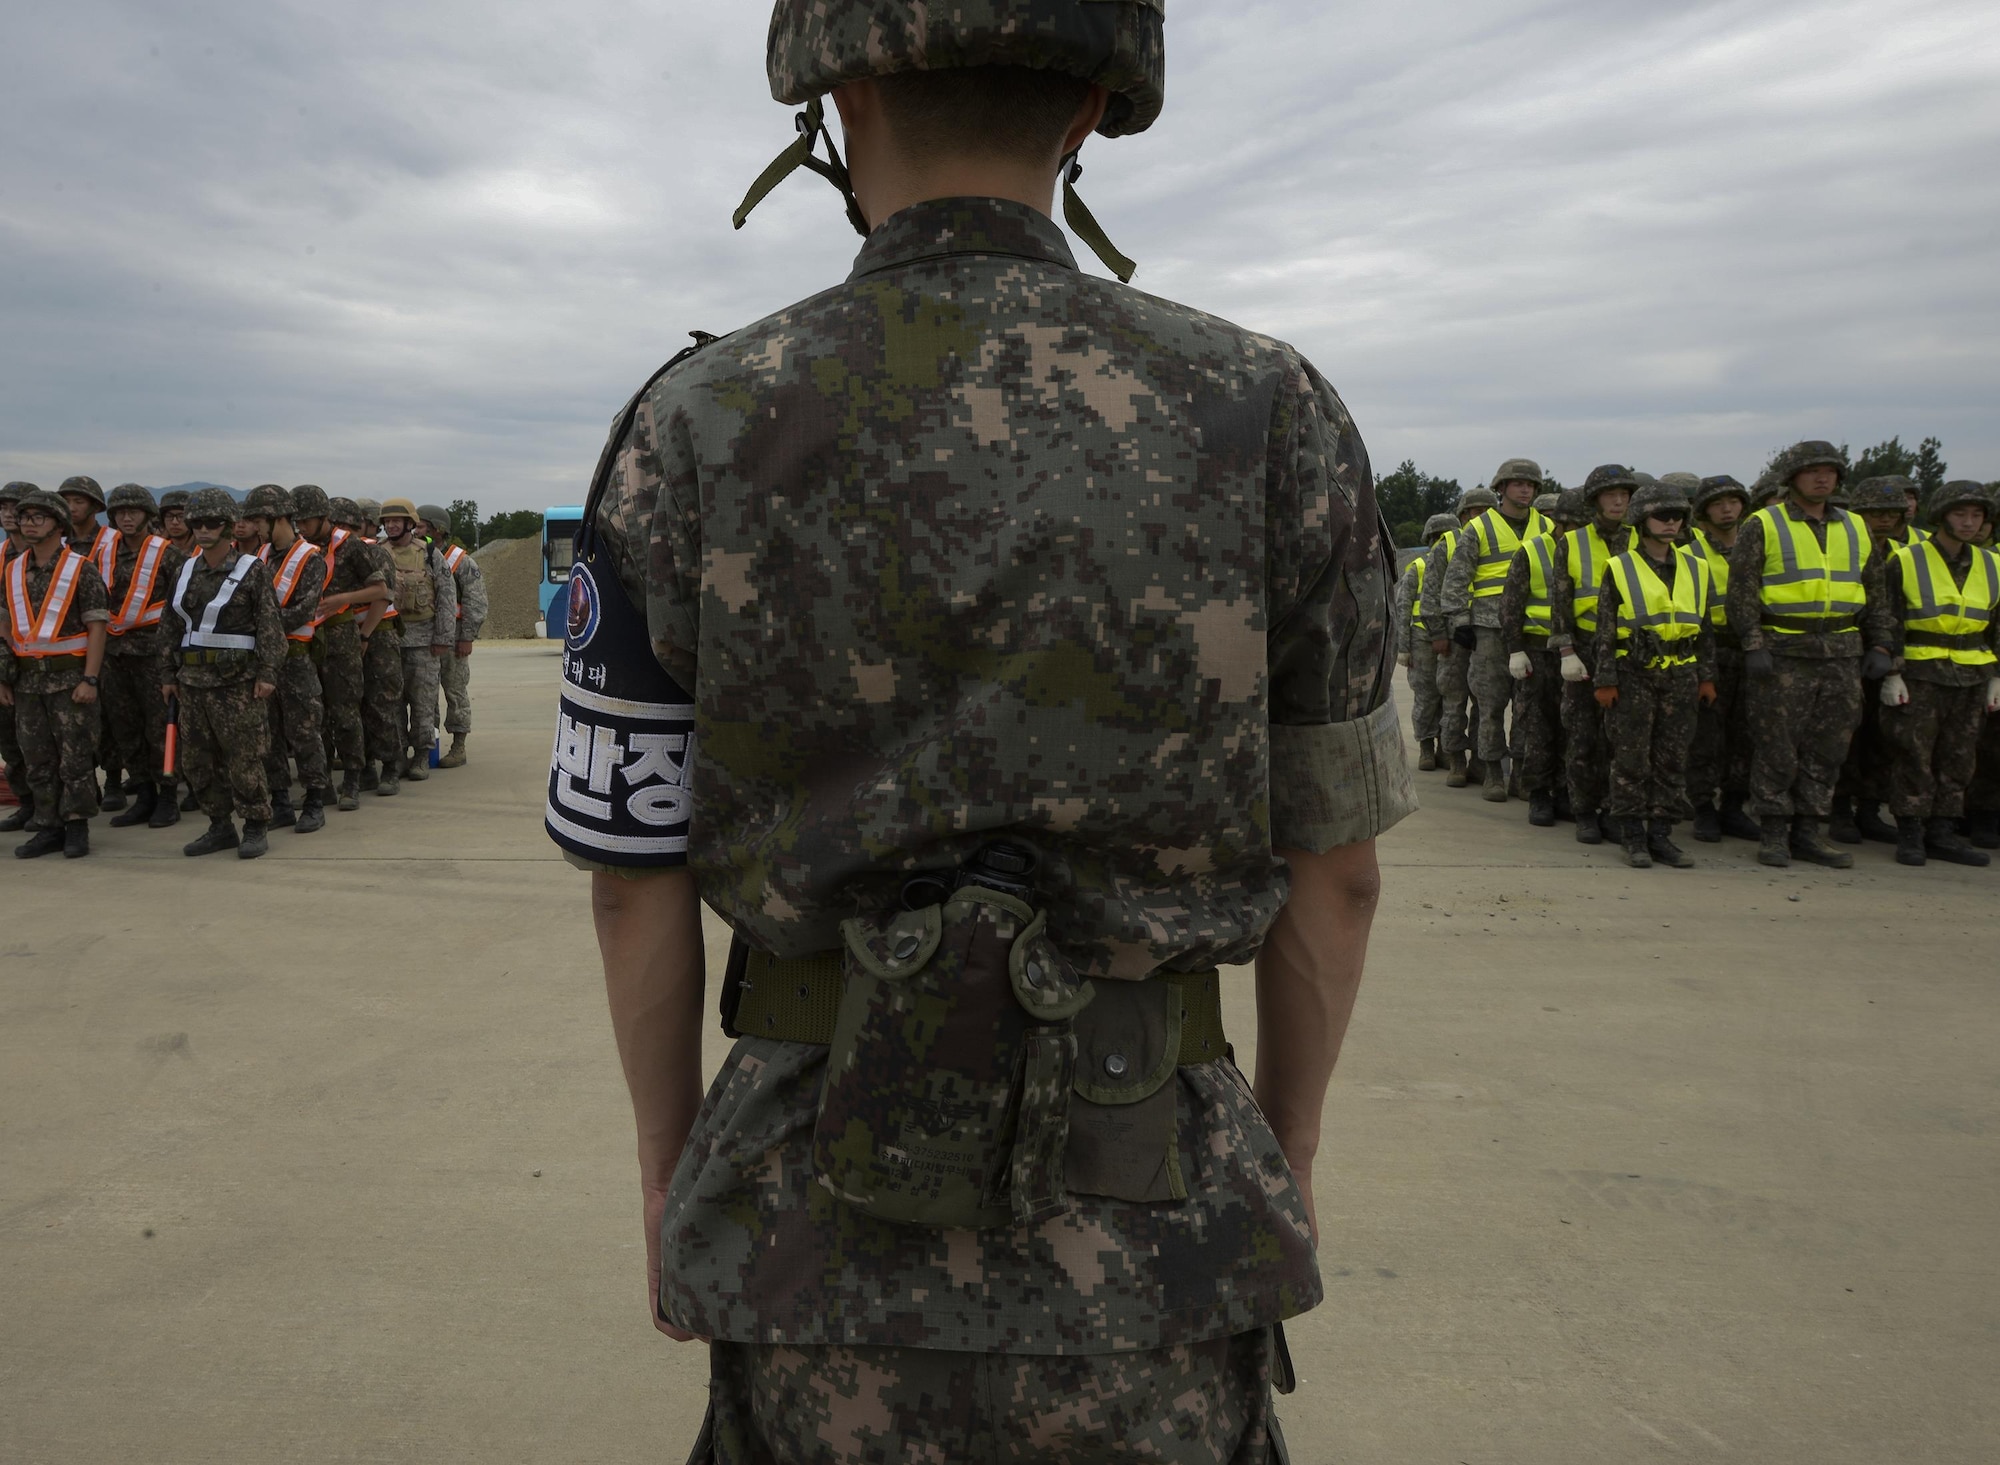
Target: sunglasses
[[1666, 516], [208, 523]]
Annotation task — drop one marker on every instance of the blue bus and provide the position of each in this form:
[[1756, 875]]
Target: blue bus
[[559, 527]]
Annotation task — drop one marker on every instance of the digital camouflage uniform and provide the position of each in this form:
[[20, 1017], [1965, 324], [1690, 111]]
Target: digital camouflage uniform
[[1586, 747], [354, 565], [1863, 785], [1719, 761], [10, 742], [58, 735], [225, 731], [1651, 725], [416, 717], [1538, 699], [988, 581], [1413, 649], [135, 716], [297, 710], [456, 671], [382, 679], [1462, 605], [1458, 716]]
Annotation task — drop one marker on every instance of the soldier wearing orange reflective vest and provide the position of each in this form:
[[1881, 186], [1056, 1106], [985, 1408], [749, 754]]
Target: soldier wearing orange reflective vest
[[1573, 592], [1807, 601], [1945, 590], [455, 673], [298, 574], [11, 544], [85, 501], [1719, 763], [1527, 618], [53, 612], [355, 594], [143, 567]]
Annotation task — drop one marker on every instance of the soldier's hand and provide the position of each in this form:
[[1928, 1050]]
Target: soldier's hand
[[1877, 664], [1607, 697], [263, 690], [1519, 667], [464, 648], [167, 692], [6, 694], [1993, 694], [1759, 663], [439, 650], [84, 695], [1441, 646], [655, 1207], [1896, 691], [1707, 695], [1573, 668]]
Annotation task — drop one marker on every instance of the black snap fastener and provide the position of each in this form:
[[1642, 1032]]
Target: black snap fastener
[[1034, 974], [907, 948], [1114, 1064], [805, 991]]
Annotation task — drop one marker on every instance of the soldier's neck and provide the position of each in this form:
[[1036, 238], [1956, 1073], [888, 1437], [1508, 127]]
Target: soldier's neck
[[1812, 509], [1721, 538], [218, 554], [45, 550]]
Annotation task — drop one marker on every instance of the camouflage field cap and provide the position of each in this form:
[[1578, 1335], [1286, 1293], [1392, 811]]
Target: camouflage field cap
[[1810, 454], [309, 501], [393, 508], [267, 501], [370, 510], [1526, 469], [14, 492], [1885, 494], [1720, 485], [212, 503], [132, 496], [1438, 524], [1571, 506], [344, 512], [175, 498], [1478, 498], [1607, 476], [432, 514], [1949, 496], [1653, 498], [85, 486], [49, 503]]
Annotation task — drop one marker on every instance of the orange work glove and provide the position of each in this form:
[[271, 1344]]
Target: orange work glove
[[1707, 694], [1607, 697]]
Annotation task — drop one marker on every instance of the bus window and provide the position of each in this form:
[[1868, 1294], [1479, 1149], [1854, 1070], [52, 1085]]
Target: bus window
[[561, 555]]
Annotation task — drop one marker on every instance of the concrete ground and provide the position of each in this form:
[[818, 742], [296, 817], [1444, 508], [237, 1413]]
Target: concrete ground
[[326, 1158]]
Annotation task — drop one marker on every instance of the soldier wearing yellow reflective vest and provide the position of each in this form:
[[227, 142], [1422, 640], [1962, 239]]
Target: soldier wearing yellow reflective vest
[[1470, 602], [1945, 590], [1654, 665], [1458, 725], [1863, 785], [1573, 595], [1719, 763], [1413, 647], [1807, 602], [1526, 620]]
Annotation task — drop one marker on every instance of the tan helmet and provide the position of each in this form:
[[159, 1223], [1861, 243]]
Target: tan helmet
[[398, 508]]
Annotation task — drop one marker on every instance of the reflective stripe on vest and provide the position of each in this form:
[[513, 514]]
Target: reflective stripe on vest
[[1586, 553], [40, 637], [1803, 583], [1540, 617], [1645, 604], [333, 543], [139, 609], [1420, 562], [287, 580], [1718, 579], [103, 553], [1947, 621], [1493, 535], [452, 555], [205, 635]]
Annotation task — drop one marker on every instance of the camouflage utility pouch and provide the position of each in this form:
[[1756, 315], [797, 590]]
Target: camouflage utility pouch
[[948, 1081]]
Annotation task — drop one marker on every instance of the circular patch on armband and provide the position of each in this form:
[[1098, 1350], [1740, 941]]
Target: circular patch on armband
[[585, 611]]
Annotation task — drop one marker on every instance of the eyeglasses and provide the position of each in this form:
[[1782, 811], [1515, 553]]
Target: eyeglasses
[[207, 523], [22, 516]]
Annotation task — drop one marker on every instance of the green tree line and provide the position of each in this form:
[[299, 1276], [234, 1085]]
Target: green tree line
[[468, 528]]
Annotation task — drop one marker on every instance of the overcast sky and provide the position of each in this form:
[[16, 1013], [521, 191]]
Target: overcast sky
[[430, 247]]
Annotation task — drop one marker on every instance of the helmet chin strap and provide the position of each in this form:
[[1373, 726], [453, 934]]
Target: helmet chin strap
[[1084, 225], [811, 124]]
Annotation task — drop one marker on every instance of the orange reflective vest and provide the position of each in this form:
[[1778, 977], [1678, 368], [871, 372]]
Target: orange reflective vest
[[37, 630], [285, 583], [139, 609]]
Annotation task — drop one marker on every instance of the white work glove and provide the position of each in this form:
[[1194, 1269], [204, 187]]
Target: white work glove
[[1573, 668], [1519, 667], [1993, 695], [1896, 692], [1402, 658]]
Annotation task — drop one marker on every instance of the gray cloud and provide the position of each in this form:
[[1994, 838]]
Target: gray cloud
[[433, 248]]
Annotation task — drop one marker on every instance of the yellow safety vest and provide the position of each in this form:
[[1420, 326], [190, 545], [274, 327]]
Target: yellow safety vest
[[1946, 621], [1808, 590], [1718, 579], [1540, 617], [1586, 553], [1494, 537], [1420, 561], [1645, 603]]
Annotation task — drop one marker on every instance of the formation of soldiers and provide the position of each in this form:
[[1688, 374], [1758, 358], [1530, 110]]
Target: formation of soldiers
[[1777, 663], [209, 655]]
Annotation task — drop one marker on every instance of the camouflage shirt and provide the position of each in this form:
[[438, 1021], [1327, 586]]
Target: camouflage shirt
[[89, 605], [251, 611], [976, 543], [143, 641], [1746, 597]]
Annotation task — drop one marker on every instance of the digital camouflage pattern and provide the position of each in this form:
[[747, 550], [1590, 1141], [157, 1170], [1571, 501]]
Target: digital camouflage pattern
[[382, 695], [356, 565], [1491, 687], [135, 716], [297, 729], [417, 710], [225, 734], [1651, 728], [416, 714], [1719, 760], [1932, 744], [455, 672], [1801, 717], [251, 611], [1414, 645], [57, 736]]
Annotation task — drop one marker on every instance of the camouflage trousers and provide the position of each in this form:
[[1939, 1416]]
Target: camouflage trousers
[[59, 750], [1203, 1403], [1651, 727], [135, 717], [382, 696], [295, 728], [1933, 746], [340, 692], [1586, 745], [1864, 772], [1458, 721], [10, 752], [1538, 719], [1492, 689], [1984, 793], [225, 734], [1801, 719], [1719, 762], [418, 715], [456, 674], [1426, 706]]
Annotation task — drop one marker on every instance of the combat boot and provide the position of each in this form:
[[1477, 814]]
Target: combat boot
[[144, 803], [1707, 824], [417, 767], [1589, 828], [1456, 776], [369, 778], [113, 798], [1774, 843], [1427, 755], [1563, 810], [312, 814], [1495, 791], [1842, 826], [1982, 828], [255, 842], [1542, 809], [1909, 841], [1809, 844], [189, 803], [1660, 844], [165, 811], [18, 820], [221, 835], [1944, 842], [1736, 823], [456, 757], [1868, 819], [41, 842], [386, 786], [1514, 789], [282, 814], [76, 839], [1475, 770], [1632, 834], [350, 791]]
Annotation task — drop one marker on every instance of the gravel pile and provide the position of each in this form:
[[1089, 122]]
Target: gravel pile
[[513, 571]]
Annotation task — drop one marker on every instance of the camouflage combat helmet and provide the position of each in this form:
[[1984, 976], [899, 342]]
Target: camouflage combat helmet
[[1811, 454], [131, 496], [371, 512], [345, 513], [1523, 468], [267, 501], [1547, 503], [309, 501], [1438, 524], [1720, 485], [1949, 496], [1651, 497], [816, 45], [1606, 477], [175, 498], [1571, 506], [1884, 494], [49, 503], [1766, 489], [1478, 498], [212, 503], [85, 486], [432, 514], [15, 491], [1688, 483]]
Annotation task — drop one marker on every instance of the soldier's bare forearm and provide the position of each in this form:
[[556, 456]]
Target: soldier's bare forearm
[[649, 937]]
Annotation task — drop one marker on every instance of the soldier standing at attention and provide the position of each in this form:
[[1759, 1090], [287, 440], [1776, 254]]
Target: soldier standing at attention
[[144, 566], [1413, 647], [227, 649], [56, 612], [426, 599], [355, 595], [457, 668], [13, 543], [298, 574], [861, 754], [371, 520], [1526, 621], [86, 536], [381, 639], [1458, 728], [173, 523], [1573, 593], [1654, 663], [1946, 591], [1805, 594], [1719, 762], [1863, 785]]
